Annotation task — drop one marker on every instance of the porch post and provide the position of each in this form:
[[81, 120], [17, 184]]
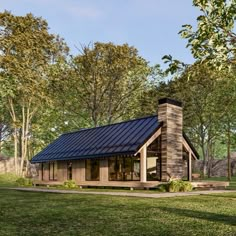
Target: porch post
[[189, 166], [143, 163]]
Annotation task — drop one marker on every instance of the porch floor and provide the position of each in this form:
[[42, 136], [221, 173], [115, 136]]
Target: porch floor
[[124, 184], [137, 184]]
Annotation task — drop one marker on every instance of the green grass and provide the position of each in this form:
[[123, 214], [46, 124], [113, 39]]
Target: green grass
[[31, 213], [8, 180]]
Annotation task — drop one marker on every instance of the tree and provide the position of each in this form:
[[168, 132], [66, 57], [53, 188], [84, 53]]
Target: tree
[[214, 40], [27, 50], [106, 82], [208, 99]]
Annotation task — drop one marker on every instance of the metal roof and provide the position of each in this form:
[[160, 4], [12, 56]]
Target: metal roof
[[123, 138]]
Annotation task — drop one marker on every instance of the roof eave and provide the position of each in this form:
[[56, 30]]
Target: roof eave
[[105, 155]]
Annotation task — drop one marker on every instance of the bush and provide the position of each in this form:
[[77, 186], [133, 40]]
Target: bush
[[70, 184], [179, 186], [162, 188], [24, 181], [8, 179], [186, 187]]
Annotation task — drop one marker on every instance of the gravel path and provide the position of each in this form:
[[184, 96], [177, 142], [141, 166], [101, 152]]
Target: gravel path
[[126, 194]]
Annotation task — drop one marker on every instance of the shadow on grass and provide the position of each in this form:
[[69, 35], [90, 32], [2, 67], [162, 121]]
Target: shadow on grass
[[230, 220], [228, 196]]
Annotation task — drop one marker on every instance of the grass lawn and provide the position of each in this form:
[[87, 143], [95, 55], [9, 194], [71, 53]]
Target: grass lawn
[[8, 180], [28, 213]]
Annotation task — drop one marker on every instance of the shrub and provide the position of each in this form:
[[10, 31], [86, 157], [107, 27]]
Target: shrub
[[24, 181], [174, 186], [8, 179], [186, 186], [162, 187], [70, 184], [179, 186]]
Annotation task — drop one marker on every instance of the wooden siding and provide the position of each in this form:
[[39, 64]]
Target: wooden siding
[[62, 171]]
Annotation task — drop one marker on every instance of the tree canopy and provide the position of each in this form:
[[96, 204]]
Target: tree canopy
[[45, 92]]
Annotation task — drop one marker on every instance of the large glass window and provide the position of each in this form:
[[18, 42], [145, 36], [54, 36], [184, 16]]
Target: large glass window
[[124, 168], [152, 172], [53, 170], [69, 170], [43, 169], [92, 170], [136, 170], [154, 160]]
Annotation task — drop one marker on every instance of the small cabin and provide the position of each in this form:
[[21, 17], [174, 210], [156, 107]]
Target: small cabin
[[136, 153]]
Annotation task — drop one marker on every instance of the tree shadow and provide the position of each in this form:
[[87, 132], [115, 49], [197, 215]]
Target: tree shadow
[[229, 195], [230, 220]]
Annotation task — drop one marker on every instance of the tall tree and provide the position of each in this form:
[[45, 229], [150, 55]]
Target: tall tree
[[208, 97], [106, 82], [27, 50]]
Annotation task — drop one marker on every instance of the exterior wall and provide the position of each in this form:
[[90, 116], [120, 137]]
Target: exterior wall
[[80, 171], [62, 171], [104, 170], [75, 171], [40, 171], [171, 140], [78, 174], [45, 172]]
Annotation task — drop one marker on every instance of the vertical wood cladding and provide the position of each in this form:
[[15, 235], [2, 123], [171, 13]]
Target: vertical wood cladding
[[62, 171], [104, 170], [171, 136]]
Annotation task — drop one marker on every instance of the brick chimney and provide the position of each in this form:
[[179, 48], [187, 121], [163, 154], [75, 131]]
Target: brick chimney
[[170, 113]]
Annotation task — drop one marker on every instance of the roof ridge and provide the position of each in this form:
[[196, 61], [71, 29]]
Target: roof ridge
[[102, 126]]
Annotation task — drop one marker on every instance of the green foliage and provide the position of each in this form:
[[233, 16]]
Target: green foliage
[[8, 179], [209, 99], [105, 83], [162, 188], [28, 51], [176, 186], [214, 40], [24, 181], [179, 186], [70, 184]]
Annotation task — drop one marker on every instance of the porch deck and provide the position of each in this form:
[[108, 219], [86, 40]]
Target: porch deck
[[137, 184], [118, 184], [210, 184]]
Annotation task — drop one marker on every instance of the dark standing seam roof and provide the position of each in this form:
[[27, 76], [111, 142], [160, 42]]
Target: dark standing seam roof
[[123, 138]]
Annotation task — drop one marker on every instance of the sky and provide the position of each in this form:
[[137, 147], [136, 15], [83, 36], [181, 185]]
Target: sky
[[151, 26]]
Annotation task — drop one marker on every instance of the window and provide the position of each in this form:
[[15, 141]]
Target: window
[[136, 170], [124, 168], [92, 170], [152, 170], [43, 169], [154, 160], [53, 170], [69, 170]]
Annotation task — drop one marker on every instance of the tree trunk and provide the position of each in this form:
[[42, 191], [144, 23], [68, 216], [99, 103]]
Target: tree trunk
[[204, 170], [16, 151], [228, 152], [1, 128], [13, 116]]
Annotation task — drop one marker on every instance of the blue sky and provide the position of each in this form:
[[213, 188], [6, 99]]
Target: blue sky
[[151, 26]]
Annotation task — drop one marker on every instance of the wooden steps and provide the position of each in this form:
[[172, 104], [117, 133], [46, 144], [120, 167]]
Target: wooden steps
[[210, 184]]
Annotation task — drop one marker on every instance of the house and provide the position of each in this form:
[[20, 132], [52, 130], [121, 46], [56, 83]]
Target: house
[[135, 153]]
